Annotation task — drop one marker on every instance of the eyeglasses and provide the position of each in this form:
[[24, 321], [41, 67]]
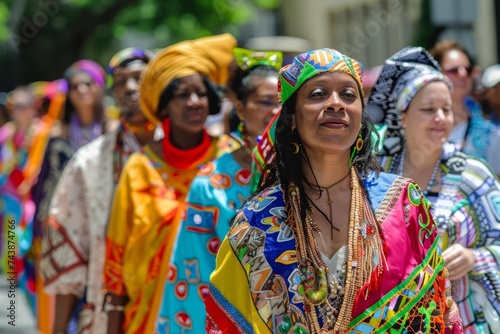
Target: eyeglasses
[[77, 85], [456, 70]]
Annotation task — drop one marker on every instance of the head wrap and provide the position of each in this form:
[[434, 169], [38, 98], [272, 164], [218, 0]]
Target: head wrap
[[309, 64], [124, 57], [247, 59], [208, 56], [402, 76], [89, 67]]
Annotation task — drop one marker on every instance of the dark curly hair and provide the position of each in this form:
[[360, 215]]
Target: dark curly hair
[[286, 167]]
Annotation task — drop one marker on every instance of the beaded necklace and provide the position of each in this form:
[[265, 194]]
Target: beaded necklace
[[329, 202], [241, 136], [432, 181], [364, 266], [141, 128]]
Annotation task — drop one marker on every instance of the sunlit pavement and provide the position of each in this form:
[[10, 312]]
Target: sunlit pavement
[[23, 319]]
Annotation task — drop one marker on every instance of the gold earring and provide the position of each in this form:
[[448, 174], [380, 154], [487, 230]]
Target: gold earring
[[296, 148]]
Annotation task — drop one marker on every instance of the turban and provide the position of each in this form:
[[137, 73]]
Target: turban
[[309, 64], [89, 67], [402, 76], [124, 57], [207, 56]]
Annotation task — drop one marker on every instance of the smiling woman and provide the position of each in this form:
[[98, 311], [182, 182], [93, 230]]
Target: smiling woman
[[319, 246], [462, 189], [175, 92]]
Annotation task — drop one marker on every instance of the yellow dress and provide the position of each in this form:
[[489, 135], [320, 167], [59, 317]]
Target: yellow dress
[[141, 230]]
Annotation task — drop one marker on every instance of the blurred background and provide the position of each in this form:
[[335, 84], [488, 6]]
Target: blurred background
[[39, 39]]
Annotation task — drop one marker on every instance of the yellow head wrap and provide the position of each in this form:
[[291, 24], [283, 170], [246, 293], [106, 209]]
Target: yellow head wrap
[[208, 56]]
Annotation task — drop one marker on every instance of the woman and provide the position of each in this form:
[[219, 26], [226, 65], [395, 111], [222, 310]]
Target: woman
[[325, 244], [218, 190], [471, 130], [22, 146], [74, 236], [174, 92], [414, 100]]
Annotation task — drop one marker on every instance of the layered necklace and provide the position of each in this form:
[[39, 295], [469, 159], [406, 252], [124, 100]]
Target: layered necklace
[[364, 266], [329, 202], [400, 170]]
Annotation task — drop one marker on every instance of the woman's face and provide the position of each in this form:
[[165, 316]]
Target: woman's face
[[261, 105], [457, 67], [22, 109], [428, 120], [189, 107], [328, 113], [83, 92]]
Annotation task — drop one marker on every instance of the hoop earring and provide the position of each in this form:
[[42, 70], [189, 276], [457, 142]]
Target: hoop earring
[[296, 148], [357, 148]]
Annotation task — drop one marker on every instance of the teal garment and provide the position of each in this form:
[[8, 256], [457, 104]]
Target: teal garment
[[217, 192]]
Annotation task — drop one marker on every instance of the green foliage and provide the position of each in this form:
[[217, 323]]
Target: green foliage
[[96, 29]]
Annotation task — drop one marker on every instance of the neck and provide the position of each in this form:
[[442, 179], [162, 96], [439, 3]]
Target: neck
[[326, 171], [144, 138], [417, 160], [85, 116], [185, 140]]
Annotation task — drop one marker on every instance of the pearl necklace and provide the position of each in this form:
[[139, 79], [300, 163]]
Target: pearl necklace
[[432, 180]]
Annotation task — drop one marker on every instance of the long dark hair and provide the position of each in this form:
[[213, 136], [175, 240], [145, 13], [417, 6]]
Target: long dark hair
[[69, 108], [286, 167]]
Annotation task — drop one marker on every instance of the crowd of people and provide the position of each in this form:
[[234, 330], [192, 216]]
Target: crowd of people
[[320, 201]]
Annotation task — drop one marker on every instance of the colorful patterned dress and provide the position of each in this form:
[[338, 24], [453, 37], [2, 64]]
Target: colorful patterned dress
[[257, 286], [467, 211], [21, 158], [142, 228], [216, 193], [75, 232]]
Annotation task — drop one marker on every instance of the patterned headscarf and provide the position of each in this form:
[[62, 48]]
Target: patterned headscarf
[[309, 64], [89, 67], [208, 56], [402, 76], [124, 57]]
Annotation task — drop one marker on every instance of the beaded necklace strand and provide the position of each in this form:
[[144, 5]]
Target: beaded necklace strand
[[432, 181], [329, 202], [365, 261]]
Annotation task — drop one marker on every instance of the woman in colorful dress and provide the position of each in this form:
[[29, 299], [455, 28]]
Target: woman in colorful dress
[[17, 158], [216, 193], [75, 230], [80, 122], [175, 92], [326, 244], [22, 145], [413, 98]]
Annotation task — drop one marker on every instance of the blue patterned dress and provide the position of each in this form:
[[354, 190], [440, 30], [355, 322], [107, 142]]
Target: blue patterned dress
[[216, 193]]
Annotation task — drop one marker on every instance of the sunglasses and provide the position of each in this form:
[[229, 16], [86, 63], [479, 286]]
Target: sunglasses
[[455, 70], [75, 86]]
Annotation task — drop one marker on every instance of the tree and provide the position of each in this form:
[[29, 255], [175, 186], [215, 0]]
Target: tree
[[40, 39]]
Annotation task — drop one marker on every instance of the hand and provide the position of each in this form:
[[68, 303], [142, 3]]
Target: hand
[[458, 260]]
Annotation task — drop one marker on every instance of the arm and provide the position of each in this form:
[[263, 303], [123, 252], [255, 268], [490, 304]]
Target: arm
[[65, 305]]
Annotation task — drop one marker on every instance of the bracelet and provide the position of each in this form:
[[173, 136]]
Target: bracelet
[[108, 307], [111, 307]]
